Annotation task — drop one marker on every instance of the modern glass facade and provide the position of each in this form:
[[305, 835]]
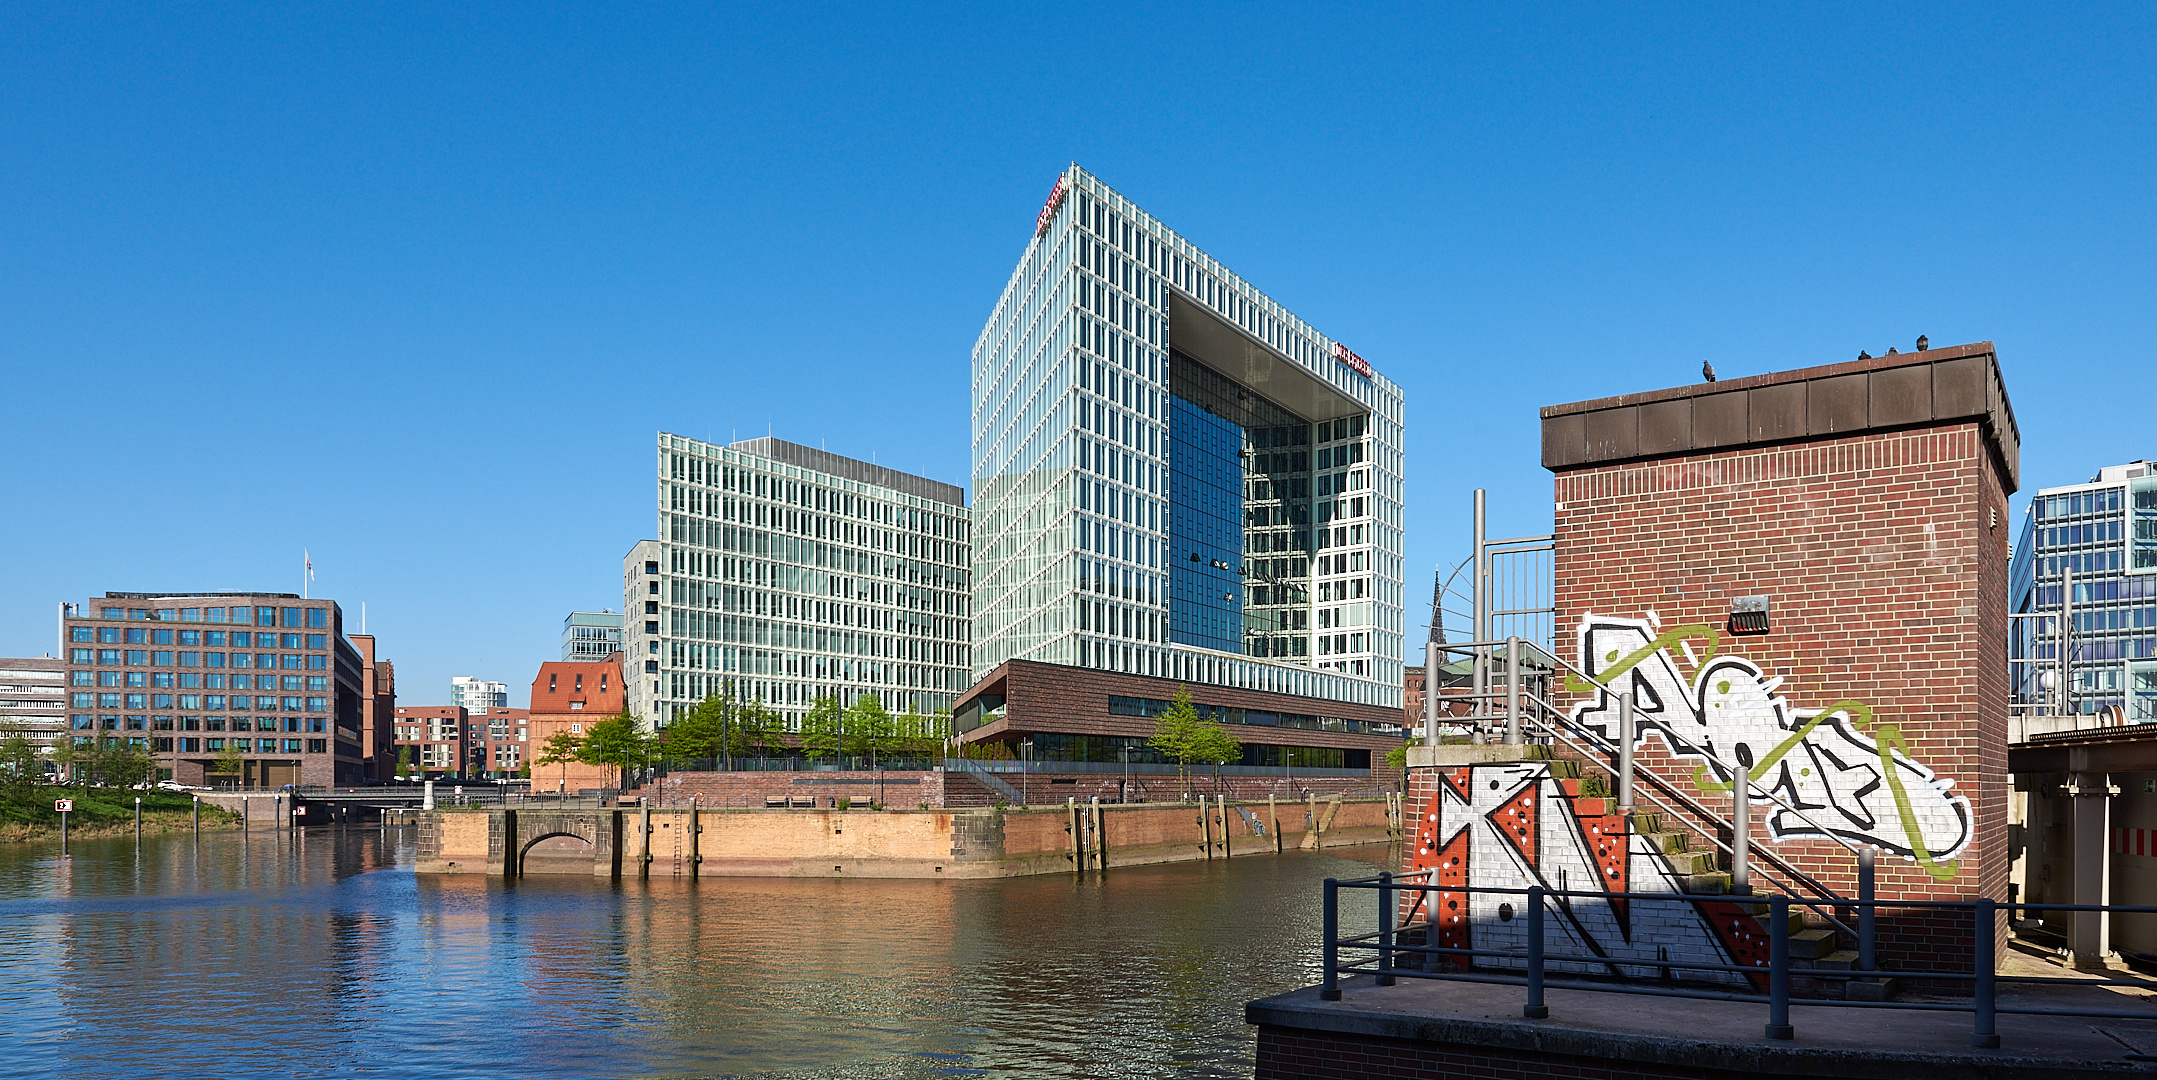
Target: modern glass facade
[[793, 573], [2105, 532], [1177, 477], [476, 696], [591, 636]]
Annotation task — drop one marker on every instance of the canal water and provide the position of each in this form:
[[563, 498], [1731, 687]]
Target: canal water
[[322, 954]]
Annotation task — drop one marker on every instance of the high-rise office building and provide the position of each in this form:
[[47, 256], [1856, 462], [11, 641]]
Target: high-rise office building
[[476, 696], [1177, 479], [196, 678], [2103, 533], [591, 636], [794, 573]]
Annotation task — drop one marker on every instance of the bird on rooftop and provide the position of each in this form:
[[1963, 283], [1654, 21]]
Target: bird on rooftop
[[1707, 370], [1863, 355], [1921, 343]]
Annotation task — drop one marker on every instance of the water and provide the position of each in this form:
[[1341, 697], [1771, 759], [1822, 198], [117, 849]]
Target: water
[[324, 955]]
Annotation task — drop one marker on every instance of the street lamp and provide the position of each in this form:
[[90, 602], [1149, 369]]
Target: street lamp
[[1123, 794]]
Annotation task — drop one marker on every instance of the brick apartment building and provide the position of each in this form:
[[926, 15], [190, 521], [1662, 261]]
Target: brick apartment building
[[192, 677], [429, 739], [496, 743], [571, 696]]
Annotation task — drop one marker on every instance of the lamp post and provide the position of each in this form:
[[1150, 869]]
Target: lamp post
[[1123, 795]]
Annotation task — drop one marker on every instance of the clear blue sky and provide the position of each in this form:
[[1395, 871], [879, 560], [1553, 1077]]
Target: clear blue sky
[[412, 288]]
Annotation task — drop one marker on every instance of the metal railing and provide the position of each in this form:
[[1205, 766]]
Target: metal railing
[[1384, 948]]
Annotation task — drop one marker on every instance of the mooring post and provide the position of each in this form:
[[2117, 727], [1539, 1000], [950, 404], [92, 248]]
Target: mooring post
[[1625, 758], [644, 841], [1318, 841], [138, 821], [1078, 842], [696, 837], [1220, 802], [247, 815], [1205, 826], [1100, 834], [198, 817], [63, 832], [1273, 820], [1741, 832]]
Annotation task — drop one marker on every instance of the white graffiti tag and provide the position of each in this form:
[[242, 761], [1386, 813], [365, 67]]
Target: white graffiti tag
[[1847, 781]]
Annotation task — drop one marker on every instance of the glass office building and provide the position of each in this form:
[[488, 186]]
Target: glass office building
[[1175, 477], [591, 636], [2104, 533], [793, 573]]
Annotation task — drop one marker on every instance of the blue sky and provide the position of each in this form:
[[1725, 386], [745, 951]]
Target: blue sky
[[413, 287]]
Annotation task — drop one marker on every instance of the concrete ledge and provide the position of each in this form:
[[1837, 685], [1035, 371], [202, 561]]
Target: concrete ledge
[[1686, 1037], [1447, 754]]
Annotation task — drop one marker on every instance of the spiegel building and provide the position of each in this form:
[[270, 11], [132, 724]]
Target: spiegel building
[[2103, 535], [1177, 483]]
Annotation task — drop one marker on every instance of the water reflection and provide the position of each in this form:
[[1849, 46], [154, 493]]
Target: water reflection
[[321, 954]]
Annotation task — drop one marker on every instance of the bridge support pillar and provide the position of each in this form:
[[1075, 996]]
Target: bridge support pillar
[[2089, 934]]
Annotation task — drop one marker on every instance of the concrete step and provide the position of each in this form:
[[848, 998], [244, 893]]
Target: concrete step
[[1708, 884], [1839, 960], [1692, 863], [1663, 841], [1811, 944], [1645, 822], [1565, 770], [1591, 806], [1870, 989]]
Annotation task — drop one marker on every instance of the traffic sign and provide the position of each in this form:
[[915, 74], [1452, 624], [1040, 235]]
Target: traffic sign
[[63, 805]]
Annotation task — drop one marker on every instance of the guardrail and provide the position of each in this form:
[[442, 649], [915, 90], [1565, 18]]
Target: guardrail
[[1385, 947]]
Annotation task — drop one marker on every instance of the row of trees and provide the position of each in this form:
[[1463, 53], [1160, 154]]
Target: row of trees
[[110, 761]]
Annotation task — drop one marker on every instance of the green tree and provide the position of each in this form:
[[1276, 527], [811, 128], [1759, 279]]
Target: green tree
[[704, 730], [821, 727], [869, 729], [1183, 736], [1397, 758], [916, 735], [22, 761], [404, 762], [561, 748], [755, 726], [119, 762], [619, 741], [230, 761]]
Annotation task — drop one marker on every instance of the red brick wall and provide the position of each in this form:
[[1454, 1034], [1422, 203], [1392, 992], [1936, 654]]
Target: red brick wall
[[1884, 555]]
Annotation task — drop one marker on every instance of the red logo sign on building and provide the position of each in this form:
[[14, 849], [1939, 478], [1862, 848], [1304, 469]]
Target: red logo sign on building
[[1341, 353], [1049, 208]]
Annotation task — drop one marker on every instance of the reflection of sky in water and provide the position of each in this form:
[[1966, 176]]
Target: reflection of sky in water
[[324, 959]]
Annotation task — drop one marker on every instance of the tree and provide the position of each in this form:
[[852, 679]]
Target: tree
[[916, 735], [1397, 758], [561, 748], [619, 740], [230, 761], [1183, 736], [868, 727], [404, 762], [118, 762], [822, 727], [22, 762], [704, 730]]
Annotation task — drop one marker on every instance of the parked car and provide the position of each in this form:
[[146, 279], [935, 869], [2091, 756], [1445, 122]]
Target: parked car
[[172, 785]]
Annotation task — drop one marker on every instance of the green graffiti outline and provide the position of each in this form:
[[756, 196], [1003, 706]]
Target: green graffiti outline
[[1886, 738]]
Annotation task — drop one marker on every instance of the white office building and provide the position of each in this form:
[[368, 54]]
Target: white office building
[[1175, 477], [476, 696], [795, 573]]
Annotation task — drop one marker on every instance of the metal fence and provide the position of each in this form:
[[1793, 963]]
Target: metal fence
[[1392, 952]]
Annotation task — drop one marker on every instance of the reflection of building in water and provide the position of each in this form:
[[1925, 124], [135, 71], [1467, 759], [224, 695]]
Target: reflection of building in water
[[1178, 483]]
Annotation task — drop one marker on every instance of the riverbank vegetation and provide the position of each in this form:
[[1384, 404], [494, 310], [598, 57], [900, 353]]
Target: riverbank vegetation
[[101, 809]]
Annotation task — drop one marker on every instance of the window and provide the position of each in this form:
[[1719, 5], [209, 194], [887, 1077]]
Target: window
[[80, 678], [114, 613], [318, 746], [137, 635], [290, 641], [78, 633], [213, 614], [190, 723], [214, 744], [138, 656], [266, 746], [292, 704], [188, 659], [318, 641], [161, 679], [316, 704], [318, 682], [213, 723], [293, 661], [162, 744], [190, 681], [241, 639], [214, 638], [213, 659], [294, 617], [136, 701], [265, 616], [214, 701], [319, 619], [160, 636], [161, 658], [551, 677], [81, 700], [319, 662], [137, 723], [190, 746], [109, 635], [190, 614], [161, 723]]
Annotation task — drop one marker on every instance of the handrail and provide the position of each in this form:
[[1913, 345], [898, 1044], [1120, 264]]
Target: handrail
[[1386, 946]]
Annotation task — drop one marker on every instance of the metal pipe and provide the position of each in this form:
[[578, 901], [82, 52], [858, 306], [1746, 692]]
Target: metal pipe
[[1329, 990], [1512, 691], [1385, 929], [1481, 616], [1865, 947], [1741, 833], [1779, 968], [1535, 1009], [1625, 755], [1986, 1034]]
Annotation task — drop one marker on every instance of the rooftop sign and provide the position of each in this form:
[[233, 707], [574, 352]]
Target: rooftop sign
[[1341, 353], [1049, 208]]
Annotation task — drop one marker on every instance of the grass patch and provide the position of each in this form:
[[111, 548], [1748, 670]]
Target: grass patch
[[26, 812]]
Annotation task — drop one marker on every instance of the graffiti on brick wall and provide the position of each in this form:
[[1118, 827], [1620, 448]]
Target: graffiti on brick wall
[[1509, 826], [1848, 775]]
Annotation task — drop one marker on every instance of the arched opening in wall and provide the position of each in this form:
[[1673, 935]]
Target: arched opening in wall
[[557, 853]]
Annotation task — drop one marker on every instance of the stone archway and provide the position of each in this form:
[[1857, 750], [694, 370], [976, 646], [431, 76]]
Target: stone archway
[[556, 852]]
